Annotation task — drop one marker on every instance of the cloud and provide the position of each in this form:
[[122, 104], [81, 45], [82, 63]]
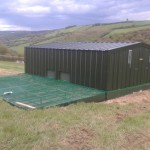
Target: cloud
[[139, 16], [44, 14], [34, 11], [70, 6], [4, 26], [42, 7], [28, 2], [30, 8]]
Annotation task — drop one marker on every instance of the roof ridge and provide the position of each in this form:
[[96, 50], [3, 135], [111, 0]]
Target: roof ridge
[[98, 46]]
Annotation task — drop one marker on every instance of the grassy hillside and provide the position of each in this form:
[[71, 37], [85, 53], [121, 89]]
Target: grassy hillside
[[6, 51], [131, 30]]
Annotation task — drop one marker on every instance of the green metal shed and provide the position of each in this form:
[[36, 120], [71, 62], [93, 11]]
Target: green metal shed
[[106, 66]]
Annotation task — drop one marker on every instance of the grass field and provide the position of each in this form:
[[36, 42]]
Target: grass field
[[11, 66], [20, 48], [81, 126], [128, 30]]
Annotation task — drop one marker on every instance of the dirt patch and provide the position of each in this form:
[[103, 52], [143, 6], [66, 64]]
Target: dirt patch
[[4, 72], [120, 117], [136, 140], [137, 97], [141, 100], [78, 138]]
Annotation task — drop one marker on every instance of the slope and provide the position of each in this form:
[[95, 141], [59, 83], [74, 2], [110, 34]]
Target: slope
[[131, 30]]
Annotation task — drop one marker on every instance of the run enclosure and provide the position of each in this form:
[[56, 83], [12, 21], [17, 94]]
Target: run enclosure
[[30, 92], [105, 66]]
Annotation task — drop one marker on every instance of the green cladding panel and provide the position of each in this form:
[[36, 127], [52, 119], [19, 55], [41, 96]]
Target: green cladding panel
[[121, 74]]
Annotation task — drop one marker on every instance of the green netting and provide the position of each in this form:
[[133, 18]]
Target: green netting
[[40, 92]]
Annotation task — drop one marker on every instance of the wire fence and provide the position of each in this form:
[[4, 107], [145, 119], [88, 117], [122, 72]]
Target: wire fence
[[39, 92]]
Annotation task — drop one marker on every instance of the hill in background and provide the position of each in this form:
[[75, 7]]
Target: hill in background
[[121, 31], [6, 51]]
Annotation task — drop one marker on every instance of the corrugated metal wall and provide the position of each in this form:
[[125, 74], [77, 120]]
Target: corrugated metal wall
[[85, 67], [105, 70], [121, 74]]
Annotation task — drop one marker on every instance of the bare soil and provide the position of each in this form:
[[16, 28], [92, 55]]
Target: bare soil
[[78, 138], [136, 141], [141, 139], [4, 72]]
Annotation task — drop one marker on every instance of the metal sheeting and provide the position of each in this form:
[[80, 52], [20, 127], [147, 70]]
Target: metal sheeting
[[103, 46], [105, 70], [83, 67], [51, 74], [121, 74]]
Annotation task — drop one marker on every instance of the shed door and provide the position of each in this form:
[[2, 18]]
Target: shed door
[[144, 66], [51, 74], [140, 66], [65, 76]]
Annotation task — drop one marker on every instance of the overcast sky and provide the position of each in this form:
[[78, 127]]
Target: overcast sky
[[52, 14]]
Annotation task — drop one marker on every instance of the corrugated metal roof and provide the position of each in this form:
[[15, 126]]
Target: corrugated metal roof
[[103, 46]]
